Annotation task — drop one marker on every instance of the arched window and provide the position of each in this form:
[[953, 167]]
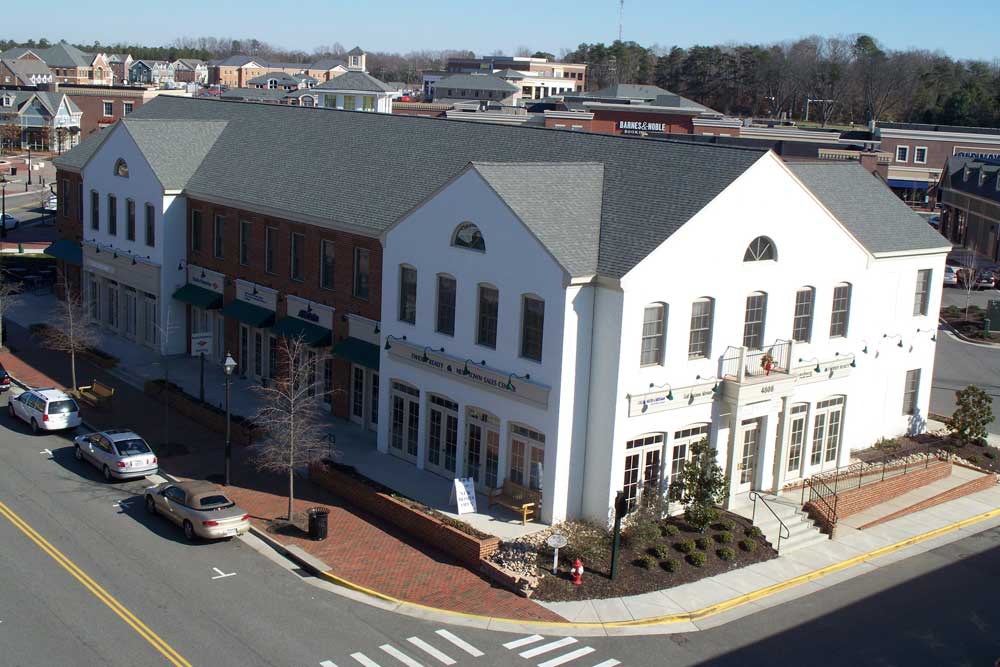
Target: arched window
[[467, 235], [760, 249], [307, 101], [121, 168]]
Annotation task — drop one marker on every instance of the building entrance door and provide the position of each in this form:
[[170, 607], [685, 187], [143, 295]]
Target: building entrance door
[[131, 316], [482, 449], [747, 450], [244, 350], [442, 436], [358, 394], [404, 428]]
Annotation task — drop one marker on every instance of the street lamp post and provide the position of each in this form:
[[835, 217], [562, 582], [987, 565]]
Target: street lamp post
[[29, 168], [3, 207], [228, 365]]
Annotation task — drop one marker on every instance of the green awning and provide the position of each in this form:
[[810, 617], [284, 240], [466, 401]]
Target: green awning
[[311, 334], [249, 314], [199, 297], [358, 351], [66, 250]]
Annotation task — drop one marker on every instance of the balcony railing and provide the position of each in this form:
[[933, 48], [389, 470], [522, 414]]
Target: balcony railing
[[740, 363]]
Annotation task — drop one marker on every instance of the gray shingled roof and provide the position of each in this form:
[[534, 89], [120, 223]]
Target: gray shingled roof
[[954, 177], [652, 187], [79, 155], [509, 74], [560, 202], [25, 67], [280, 77], [356, 51], [174, 148], [355, 80], [631, 91], [877, 218], [476, 82], [268, 94]]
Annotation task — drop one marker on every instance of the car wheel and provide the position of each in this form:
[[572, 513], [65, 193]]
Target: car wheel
[[34, 427], [107, 473], [189, 531], [78, 453], [151, 505]]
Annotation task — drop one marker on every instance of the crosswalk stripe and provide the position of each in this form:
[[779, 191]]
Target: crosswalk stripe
[[523, 641], [399, 655], [430, 650], [460, 643], [364, 660], [608, 663], [545, 648], [572, 655], [327, 663]]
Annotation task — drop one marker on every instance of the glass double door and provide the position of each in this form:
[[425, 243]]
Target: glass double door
[[482, 449], [442, 436], [748, 446], [404, 402], [364, 397]]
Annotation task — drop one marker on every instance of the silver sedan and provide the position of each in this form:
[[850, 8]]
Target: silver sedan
[[117, 453]]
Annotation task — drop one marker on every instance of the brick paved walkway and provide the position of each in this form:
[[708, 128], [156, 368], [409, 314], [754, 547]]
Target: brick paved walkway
[[360, 548]]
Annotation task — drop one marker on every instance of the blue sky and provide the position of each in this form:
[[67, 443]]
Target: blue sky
[[964, 31]]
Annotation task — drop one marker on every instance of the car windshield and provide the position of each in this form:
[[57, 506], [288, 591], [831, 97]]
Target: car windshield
[[215, 502], [132, 447], [62, 407]]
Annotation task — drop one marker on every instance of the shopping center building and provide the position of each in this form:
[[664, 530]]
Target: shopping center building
[[571, 323]]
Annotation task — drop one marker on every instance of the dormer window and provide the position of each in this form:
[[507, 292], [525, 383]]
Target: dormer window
[[121, 168], [982, 177], [467, 235], [6, 101], [272, 84]]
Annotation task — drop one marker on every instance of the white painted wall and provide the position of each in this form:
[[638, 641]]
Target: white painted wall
[[383, 101], [516, 263]]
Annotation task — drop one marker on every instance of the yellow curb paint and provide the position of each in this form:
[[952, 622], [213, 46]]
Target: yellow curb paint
[[698, 614], [95, 589]]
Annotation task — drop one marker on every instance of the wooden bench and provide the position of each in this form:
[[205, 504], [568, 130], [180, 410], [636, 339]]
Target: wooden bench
[[97, 394], [517, 498]]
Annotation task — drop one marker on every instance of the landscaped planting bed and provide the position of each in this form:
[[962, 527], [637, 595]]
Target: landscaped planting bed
[[983, 456], [653, 556], [971, 326]]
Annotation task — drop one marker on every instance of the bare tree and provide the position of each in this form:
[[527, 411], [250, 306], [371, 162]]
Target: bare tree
[[967, 269], [291, 415], [10, 136], [70, 330]]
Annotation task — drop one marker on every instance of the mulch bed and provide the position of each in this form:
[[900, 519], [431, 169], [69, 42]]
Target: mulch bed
[[971, 327], [986, 457], [633, 577]]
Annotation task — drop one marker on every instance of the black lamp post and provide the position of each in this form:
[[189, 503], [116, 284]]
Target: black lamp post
[[29, 166], [3, 215], [228, 365]]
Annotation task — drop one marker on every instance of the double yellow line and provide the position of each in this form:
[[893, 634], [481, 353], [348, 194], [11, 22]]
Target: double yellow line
[[155, 641]]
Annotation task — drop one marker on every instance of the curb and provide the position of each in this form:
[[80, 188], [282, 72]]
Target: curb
[[960, 336]]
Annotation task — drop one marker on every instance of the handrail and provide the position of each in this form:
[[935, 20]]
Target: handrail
[[819, 495], [781, 524]]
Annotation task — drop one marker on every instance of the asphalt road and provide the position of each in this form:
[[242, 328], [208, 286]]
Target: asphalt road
[[958, 364], [938, 608]]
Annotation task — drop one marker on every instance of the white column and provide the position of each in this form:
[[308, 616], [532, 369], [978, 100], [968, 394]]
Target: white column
[[766, 451], [782, 446], [421, 429], [462, 444], [732, 473]]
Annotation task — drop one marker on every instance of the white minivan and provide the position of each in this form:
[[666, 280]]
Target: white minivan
[[45, 409]]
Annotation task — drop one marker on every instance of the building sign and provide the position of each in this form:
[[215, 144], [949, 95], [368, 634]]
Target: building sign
[[201, 343], [463, 494], [506, 384], [829, 370], [210, 280], [641, 127], [658, 401], [265, 297], [310, 311], [988, 154]]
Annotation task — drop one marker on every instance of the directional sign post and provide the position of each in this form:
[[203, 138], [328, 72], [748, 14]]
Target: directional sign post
[[557, 541]]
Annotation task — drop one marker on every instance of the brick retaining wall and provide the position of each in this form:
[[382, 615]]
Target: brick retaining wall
[[205, 414], [466, 549], [852, 501], [972, 486]]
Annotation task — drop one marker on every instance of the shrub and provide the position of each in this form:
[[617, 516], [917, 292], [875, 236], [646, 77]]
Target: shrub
[[647, 562], [973, 414], [725, 553], [669, 530], [726, 524], [755, 533], [643, 525], [697, 558], [670, 565], [990, 454], [972, 459], [700, 485], [685, 546], [724, 537], [701, 543], [660, 551], [748, 545]]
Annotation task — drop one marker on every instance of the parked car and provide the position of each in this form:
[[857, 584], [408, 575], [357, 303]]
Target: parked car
[[4, 379], [202, 509], [950, 276], [117, 453], [45, 409], [52, 203], [983, 279], [934, 221], [10, 222]]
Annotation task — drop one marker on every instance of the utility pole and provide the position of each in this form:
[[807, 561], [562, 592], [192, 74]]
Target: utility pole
[[621, 16]]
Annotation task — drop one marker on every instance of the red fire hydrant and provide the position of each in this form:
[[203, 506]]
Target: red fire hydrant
[[577, 572]]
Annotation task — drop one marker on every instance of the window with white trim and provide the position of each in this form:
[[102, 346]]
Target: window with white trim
[[797, 415], [802, 320], [840, 311], [643, 466], [407, 294], [902, 153], [922, 294], [700, 338], [920, 155], [827, 425], [753, 320], [654, 320], [911, 391], [532, 327]]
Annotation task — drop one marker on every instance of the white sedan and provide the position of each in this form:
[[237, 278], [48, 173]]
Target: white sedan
[[10, 222]]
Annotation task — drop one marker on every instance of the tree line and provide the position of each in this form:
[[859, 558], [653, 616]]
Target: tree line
[[844, 79]]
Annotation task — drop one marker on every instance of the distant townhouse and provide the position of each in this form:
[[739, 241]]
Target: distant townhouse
[[237, 71], [151, 72], [591, 369], [277, 81], [920, 152], [969, 193], [47, 121], [120, 64], [67, 63], [24, 72], [575, 73], [190, 70]]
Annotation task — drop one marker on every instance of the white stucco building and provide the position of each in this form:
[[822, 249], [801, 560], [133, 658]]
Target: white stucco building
[[539, 329], [134, 227]]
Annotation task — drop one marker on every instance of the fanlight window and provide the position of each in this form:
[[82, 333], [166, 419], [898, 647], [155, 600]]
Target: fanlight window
[[121, 168], [467, 235], [760, 249]]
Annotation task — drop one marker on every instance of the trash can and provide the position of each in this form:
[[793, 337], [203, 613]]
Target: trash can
[[317, 522]]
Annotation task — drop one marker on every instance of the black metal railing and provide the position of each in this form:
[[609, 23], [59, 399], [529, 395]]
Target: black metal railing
[[824, 498], [773, 358], [783, 531]]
